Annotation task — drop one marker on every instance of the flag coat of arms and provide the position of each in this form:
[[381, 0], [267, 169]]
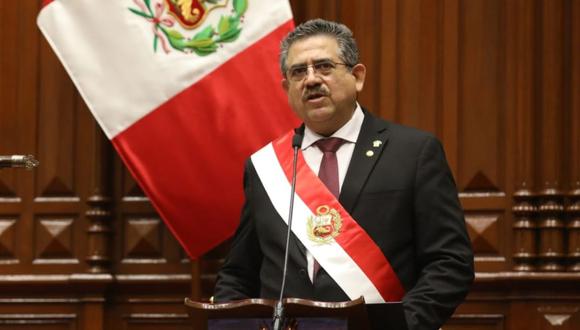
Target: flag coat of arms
[[185, 90]]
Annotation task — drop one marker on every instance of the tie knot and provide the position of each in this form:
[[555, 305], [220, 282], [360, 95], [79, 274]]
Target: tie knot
[[330, 144]]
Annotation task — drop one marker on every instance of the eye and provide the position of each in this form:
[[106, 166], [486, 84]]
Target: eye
[[298, 71], [324, 67]]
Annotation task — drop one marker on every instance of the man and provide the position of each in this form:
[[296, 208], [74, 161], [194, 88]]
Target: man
[[388, 226]]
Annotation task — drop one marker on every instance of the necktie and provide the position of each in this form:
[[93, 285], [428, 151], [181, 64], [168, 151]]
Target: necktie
[[328, 173]]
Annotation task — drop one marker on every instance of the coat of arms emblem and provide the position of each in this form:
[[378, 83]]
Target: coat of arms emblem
[[190, 35], [191, 13], [325, 225]]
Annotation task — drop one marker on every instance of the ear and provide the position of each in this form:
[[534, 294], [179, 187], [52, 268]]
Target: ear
[[359, 72], [285, 84]]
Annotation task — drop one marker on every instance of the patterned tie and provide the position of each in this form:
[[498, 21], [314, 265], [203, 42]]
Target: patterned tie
[[328, 173]]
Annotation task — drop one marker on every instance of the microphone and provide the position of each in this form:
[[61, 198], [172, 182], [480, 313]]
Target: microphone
[[278, 316], [24, 161]]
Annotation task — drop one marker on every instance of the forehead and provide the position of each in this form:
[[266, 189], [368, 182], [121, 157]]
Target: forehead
[[313, 48]]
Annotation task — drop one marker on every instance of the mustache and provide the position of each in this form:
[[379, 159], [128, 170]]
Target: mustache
[[317, 90]]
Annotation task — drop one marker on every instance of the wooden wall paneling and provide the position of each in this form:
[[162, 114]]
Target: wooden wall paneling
[[482, 108], [18, 64], [305, 10], [550, 137], [449, 84], [573, 207], [478, 321], [38, 322], [547, 315], [56, 136], [409, 69], [151, 272], [388, 69], [481, 173], [486, 308], [366, 31], [67, 163], [9, 76], [47, 313], [419, 75], [530, 322], [11, 204], [430, 114], [92, 314], [346, 12], [573, 227], [58, 188], [520, 86], [558, 316], [144, 244], [96, 167], [27, 122], [145, 311]]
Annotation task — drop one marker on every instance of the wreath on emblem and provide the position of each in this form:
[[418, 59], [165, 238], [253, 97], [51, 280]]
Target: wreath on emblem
[[203, 43]]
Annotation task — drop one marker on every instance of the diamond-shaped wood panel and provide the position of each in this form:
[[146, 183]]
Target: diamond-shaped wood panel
[[143, 238], [561, 317], [7, 227], [57, 187], [54, 238], [5, 190], [481, 182], [484, 232]]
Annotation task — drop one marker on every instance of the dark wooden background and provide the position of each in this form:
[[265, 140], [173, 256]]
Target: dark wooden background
[[497, 80]]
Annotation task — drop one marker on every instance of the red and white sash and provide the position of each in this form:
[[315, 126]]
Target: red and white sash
[[352, 258]]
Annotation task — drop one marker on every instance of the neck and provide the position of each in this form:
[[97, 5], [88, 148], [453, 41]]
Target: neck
[[327, 129]]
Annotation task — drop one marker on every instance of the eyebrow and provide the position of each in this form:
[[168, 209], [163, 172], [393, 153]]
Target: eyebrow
[[313, 62]]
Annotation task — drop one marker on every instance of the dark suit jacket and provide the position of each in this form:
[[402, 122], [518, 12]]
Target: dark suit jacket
[[406, 200]]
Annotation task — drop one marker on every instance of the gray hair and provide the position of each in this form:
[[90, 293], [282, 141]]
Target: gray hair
[[348, 50]]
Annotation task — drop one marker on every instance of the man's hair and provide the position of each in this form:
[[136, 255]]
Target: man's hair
[[348, 50]]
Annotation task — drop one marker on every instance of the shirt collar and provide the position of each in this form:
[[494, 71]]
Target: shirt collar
[[348, 132]]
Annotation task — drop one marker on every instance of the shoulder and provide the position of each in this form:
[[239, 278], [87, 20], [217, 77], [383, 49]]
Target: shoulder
[[408, 133], [405, 137]]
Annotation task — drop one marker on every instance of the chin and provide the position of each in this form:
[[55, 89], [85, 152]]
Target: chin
[[320, 114]]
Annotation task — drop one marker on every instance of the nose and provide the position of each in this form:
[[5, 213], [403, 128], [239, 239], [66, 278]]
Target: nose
[[311, 76]]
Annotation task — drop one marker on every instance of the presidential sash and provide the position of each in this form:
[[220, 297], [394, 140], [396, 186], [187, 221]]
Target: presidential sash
[[324, 227]]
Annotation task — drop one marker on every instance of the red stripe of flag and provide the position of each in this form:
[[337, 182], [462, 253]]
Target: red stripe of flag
[[45, 3], [188, 154]]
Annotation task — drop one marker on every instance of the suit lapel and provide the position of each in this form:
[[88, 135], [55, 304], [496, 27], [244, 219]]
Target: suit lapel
[[370, 144]]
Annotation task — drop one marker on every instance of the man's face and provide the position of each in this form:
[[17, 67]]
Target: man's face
[[325, 102]]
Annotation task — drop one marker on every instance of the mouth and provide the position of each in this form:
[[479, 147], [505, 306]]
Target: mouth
[[314, 96]]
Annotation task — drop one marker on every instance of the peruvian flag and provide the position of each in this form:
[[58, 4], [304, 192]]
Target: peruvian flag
[[185, 90]]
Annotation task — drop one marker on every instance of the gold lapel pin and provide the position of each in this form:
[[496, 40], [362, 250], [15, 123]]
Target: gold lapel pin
[[370, 153], [377, 143]]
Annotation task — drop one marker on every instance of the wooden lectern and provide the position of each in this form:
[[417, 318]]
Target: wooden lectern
[[299, 314]]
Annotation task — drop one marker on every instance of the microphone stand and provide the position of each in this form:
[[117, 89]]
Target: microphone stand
[[278, 316], [18, 161]]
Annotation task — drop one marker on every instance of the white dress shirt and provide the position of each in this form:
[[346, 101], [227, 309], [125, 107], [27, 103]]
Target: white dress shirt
[[313, 156]]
